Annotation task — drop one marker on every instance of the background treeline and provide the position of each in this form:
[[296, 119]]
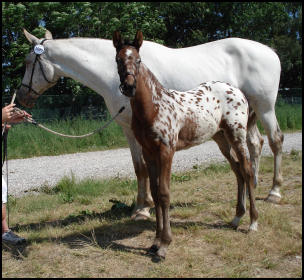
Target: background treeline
[[174, 24]]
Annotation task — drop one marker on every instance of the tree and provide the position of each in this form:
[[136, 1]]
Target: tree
[[174, 24]]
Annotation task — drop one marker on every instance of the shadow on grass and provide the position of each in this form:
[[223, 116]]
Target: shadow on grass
[[106, 236]]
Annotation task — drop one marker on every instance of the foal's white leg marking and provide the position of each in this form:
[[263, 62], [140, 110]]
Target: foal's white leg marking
[[254, 226]]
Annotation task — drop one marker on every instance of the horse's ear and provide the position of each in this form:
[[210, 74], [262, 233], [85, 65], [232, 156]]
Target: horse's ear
[[31, 38], [117, 40], [138, 40], [48, 35]]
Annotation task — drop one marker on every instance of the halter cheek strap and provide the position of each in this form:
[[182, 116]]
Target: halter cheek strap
[[37, 58]]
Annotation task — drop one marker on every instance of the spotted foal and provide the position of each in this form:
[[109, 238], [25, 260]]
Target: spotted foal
[[165, 121]]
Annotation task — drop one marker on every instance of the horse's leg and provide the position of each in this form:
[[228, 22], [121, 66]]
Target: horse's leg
[[144, 199], [153, 170], [239, 146], [225, 148], [255, 143], [166, 156], [275, 138]]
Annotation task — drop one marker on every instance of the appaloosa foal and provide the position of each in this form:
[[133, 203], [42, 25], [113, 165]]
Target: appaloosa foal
[[164, 121]]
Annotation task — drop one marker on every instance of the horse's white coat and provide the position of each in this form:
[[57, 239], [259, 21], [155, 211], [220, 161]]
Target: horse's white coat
[[250, 66], [247, 65]]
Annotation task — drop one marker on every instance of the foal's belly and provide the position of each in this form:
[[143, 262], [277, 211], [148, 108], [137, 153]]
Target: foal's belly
[[197, 131]]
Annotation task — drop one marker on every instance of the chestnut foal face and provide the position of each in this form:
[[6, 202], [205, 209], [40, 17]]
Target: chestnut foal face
[[128, 61]]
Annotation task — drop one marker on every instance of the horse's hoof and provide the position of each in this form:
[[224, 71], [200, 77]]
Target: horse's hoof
[[273, 199], [141, 214], [140, 217]]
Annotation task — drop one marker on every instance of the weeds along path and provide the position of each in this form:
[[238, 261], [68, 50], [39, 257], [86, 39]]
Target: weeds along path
[[28, 174]]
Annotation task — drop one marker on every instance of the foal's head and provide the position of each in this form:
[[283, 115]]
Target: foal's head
[[128, 61]]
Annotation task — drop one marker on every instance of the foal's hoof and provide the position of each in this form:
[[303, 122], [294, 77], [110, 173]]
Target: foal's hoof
[[273, 199], [161, 253], [235, 222], [153, 249], [253, 227]]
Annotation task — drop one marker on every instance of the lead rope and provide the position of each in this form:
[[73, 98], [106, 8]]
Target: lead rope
[[32, 121]]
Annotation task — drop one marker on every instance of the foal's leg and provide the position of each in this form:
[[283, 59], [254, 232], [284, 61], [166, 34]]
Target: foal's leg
[[153, 170], [254, 142], [239, 145], [166, 156], [144, 199], [225, 148], [275, 138]]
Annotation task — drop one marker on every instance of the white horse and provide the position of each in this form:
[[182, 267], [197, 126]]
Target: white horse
[[250, 66]]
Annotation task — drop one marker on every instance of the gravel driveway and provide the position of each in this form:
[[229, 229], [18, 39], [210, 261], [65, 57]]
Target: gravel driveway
[[26, 174]]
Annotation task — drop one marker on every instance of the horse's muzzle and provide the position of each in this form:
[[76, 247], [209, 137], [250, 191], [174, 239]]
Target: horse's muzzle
[[25, 98]]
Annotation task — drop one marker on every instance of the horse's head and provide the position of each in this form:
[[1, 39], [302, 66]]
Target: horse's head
[[39, 74], [128, 61]]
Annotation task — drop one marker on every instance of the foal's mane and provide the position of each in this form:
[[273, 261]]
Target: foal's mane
[[127, 43]]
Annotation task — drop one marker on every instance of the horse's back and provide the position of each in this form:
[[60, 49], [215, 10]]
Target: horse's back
[[248, 65]]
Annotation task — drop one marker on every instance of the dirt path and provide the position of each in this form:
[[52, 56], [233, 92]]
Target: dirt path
[[26, 174]]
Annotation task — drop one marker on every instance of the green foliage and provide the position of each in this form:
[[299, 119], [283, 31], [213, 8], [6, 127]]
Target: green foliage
[[180, 178], [289, 116], [175, 24]]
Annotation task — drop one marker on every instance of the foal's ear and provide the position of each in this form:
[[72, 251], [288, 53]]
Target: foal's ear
[[117, 40], [138, 40]]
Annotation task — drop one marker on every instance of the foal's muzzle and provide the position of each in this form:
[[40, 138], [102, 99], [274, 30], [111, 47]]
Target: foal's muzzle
[[127, 87], [127, 90]]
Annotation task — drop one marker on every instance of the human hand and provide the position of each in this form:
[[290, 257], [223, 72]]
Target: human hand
[[7, 113], [19, 116]]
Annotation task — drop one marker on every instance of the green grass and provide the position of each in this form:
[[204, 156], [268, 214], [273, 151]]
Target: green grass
[[289, 117], [73, 230], [26, 140]]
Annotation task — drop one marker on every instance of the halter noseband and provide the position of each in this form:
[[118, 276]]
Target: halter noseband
[[44, 76]]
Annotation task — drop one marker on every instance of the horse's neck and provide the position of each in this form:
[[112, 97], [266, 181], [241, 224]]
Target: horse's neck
[[148, 91], [89, 61]]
